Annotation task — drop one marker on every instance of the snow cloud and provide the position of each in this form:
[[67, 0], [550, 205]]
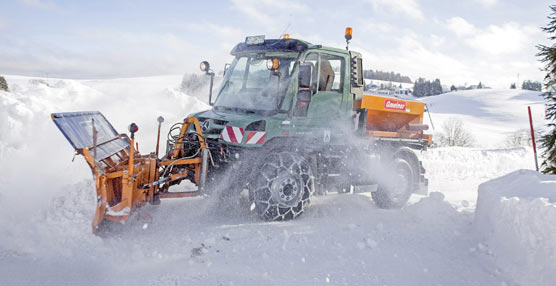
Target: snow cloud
[[134, 53], [487, 3], [267, 11], [39, 4], [460, 26], [459, 53], [409, 8], [130, 38], [510, 38], [419, 57]]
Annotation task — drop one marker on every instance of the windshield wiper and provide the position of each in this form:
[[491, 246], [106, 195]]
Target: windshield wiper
[[245, 110]]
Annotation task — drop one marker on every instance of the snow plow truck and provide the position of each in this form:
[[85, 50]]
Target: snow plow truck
[[289, 121]]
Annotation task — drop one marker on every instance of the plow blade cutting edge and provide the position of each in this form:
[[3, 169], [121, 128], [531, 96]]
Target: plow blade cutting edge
[[125, 179]]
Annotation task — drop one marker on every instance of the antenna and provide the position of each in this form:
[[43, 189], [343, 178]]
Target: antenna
[[287, 27]]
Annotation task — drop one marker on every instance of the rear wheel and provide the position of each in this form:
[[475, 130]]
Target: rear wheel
[[283, 186], [395, 188]]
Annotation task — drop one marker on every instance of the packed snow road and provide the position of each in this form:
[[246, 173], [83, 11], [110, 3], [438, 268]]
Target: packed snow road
[[341, 240], [47, 204]]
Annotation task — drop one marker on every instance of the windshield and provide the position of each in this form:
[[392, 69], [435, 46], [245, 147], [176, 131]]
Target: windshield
[[250, 85]]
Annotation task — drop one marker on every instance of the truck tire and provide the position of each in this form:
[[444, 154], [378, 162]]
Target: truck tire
[[283, 186], [396, 186], [410, 157]]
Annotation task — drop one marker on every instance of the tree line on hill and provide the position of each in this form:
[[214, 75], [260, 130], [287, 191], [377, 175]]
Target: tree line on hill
[[424, 87], [528, 85], [385, 76]]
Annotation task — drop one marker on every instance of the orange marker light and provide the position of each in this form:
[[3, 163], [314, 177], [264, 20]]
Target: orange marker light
[[273, 64], [286, 36], [349, 33]]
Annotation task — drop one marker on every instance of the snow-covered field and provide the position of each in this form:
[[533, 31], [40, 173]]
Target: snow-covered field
[[47, 204], [490, 115]]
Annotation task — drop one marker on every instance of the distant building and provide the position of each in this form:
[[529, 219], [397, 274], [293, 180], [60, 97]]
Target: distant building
[[403, 91]]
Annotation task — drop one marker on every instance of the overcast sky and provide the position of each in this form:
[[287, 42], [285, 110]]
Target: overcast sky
[[463, 41]]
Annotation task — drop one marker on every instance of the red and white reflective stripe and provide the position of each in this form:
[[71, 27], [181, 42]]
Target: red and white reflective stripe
[[254, 137], [232, 134]]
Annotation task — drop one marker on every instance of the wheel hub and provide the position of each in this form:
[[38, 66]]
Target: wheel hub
[[286, 189], [400, 185]]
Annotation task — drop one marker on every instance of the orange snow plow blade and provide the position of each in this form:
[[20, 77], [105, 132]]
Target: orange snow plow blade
[[125, 179]]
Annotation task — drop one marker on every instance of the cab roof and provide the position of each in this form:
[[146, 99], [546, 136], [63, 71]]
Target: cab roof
[[278, 45]]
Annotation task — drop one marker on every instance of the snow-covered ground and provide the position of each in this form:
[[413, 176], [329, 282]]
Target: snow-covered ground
[[490, 115], [47, 204]]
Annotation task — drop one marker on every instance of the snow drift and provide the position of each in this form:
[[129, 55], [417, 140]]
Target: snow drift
[[516, 218]]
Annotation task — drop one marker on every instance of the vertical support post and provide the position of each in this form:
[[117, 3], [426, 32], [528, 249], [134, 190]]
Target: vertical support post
[[211, 74], [533, 138], [157, 141], [132, 129], [204, 165], [160, 119], [94, 140], [430, 118], [131, 156]]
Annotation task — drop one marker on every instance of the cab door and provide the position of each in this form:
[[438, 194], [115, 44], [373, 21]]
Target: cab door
[[324, 115]]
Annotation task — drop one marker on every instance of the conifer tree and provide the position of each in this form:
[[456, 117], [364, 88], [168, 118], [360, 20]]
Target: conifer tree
[[3, 84], [548, 57], [437, 87]]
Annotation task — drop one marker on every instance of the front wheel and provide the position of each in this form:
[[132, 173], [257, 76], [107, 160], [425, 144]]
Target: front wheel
[[395, 188], [283, 186]]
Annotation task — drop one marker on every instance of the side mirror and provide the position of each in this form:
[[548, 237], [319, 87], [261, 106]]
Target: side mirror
[[205, 67], [226, 67], [305, 75]]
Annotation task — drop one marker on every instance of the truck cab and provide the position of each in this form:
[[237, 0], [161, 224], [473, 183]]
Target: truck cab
[[285, 88]]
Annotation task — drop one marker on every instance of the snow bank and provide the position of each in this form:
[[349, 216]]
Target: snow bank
[[457, 172], [516, 219]]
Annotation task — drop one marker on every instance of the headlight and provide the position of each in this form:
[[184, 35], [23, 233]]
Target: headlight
[[205, 66]]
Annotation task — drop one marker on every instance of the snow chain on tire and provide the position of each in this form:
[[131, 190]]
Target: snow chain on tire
[[283, 186]]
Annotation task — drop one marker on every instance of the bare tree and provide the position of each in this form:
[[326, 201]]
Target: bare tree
[[454, 134], [522, 137]]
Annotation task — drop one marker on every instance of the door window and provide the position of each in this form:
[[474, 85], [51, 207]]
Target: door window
[[331, 76]]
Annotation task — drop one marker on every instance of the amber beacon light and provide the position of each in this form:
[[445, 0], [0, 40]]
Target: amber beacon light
[[349, 33]]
